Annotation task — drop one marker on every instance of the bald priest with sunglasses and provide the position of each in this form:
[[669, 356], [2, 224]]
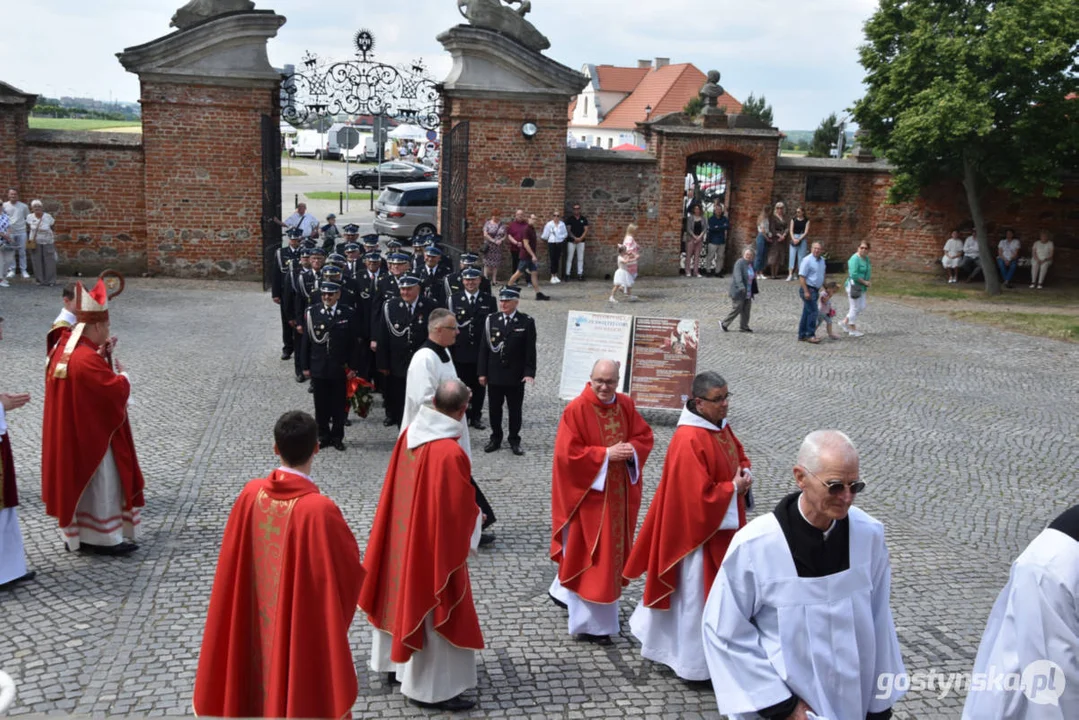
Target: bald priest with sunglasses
[[798, 623]]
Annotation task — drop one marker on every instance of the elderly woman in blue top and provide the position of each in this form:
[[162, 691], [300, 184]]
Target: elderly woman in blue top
[[811, 279], [858, 272]]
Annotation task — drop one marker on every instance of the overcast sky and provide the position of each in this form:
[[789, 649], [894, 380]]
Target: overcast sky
[[801, 55]]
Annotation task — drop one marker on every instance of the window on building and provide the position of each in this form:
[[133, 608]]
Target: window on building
[[586, 105], [610, 143]]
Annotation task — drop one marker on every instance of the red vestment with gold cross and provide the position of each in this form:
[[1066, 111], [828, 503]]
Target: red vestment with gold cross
[[276, 640], [416, 557], [596, 526], [694, 494]]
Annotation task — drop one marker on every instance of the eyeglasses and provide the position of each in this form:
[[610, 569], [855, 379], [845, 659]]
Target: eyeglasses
[[718, 399], [836, 487], [600, 381]]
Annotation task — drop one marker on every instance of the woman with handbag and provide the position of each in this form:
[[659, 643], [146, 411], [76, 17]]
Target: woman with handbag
[[41, 244], [858, 272]]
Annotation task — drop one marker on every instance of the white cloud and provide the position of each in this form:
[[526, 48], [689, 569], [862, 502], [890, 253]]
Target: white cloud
[[802, 56]]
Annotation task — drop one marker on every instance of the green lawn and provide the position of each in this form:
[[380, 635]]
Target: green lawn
[[335, 194], [934, 286], [1060, 327], [42, 123]]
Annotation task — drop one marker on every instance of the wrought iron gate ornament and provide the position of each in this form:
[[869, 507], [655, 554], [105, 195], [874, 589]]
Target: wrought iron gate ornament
[[361, 87]]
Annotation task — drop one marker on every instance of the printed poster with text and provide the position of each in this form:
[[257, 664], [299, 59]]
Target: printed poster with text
[[591, 337], [664, 362]]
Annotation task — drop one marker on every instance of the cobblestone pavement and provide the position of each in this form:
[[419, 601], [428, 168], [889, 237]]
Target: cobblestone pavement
[[968, 438]]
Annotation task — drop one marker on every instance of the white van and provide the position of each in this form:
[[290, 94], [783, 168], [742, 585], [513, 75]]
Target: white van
[[308, 143], [365, 151]]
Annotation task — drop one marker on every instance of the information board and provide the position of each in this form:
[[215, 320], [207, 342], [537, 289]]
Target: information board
[[664, 362], [591, 337]]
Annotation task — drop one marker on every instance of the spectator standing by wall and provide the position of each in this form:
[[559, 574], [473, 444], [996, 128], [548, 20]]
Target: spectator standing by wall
[[1007, 257], [577, 224], [7, 249], [43, 243], [798, 230], [696, 227], [494, 234], [17, 212], [1041, 257], [778, 230], [555, 233], [762, 242], [718, 226]]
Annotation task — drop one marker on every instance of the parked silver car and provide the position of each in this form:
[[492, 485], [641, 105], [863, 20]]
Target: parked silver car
[[407, 209]]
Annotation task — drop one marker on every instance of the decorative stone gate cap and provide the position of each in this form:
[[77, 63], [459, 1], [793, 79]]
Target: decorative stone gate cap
[[494, 15], [487, 63], [228, 49]]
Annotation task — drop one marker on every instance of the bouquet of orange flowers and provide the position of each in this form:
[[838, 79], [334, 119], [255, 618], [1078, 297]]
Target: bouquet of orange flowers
[[359, 394]]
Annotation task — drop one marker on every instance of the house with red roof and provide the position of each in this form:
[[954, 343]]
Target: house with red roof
[[607, 111]]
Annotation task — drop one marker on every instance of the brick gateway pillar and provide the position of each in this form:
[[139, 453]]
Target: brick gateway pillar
[[205, 90], [514, 102]]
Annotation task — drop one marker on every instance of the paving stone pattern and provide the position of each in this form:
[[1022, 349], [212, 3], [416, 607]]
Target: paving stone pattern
[[968, 438]]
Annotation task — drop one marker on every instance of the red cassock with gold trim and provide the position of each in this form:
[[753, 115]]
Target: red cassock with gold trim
[[276, 640], [599, 525]]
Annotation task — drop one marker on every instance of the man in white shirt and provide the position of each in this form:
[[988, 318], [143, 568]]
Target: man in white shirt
[[798, 620], [972, 264], [555, 233], [17, 212], [301, 219]]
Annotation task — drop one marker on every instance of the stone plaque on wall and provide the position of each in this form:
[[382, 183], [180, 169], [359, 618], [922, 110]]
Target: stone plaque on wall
[[823, 188]]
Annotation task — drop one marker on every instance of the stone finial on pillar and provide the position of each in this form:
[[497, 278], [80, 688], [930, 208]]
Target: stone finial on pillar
[[712, 116], [862, 153]]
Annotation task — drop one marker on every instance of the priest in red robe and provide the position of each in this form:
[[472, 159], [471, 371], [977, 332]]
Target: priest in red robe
[[417, 594], [600, 451], [13, 568], [276, 641], [90, 477], [699, 505]]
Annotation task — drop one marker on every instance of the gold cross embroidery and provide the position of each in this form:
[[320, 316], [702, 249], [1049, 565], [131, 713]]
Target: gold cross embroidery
[[269, 529], [614, 424]]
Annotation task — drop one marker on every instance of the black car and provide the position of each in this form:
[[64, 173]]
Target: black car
[[394, 171]]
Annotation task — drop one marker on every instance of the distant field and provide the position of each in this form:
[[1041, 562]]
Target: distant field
[[39, 123]]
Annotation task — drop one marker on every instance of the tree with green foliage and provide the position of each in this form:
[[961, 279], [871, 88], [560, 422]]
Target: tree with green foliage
[[693, 107], [758, 108], [824, 137], [975, 92]]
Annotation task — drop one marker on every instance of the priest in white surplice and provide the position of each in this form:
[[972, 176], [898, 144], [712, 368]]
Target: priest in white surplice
[[798, 619], [1033, 632], [431, 365]]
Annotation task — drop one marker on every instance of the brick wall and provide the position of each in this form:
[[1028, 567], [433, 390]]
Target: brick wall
[[92, 183], [506, 170], [13, 129], [911, 235], [614, 190], [204, 178]]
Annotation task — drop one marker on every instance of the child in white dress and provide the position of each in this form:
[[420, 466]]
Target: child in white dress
[[623, 279]]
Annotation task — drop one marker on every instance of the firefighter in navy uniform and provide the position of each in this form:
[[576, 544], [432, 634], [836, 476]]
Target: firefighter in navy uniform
[[307, 294], [433, 277], [507, 360], [471, 306], [402, 330], [367, 302], [370, 245], [285, 260], [354, 257], [453, 284], [351, 235], [329, 354], [446, 262], [291, 301], [335, 274]]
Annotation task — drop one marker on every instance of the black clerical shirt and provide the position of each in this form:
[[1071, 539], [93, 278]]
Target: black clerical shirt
[[814, 554]]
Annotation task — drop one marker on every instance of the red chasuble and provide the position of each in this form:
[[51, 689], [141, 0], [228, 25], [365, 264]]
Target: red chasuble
[[599, 525], [58, 334], [276, 641], [693, 496], [416, 556], [85, 414]]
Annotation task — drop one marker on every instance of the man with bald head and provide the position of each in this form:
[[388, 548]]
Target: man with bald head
[[600, 450], [797, 623]]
